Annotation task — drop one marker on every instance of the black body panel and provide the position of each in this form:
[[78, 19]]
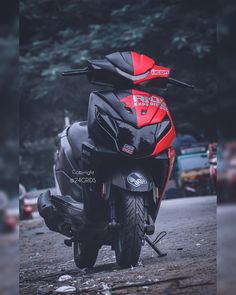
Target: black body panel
[[77, 134], [106, 164], [109, 102], [122, 60], [110, 124], [104, 71], [68, 162]]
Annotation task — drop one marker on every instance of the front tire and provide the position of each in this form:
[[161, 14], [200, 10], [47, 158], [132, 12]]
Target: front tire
[[131, 234]]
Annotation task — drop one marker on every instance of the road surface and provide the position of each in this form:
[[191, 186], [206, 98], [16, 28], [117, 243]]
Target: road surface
[[226, 241], [188, 268]]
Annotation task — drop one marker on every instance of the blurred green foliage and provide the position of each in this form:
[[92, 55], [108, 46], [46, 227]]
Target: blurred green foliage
[[9, 102], [57, 35]]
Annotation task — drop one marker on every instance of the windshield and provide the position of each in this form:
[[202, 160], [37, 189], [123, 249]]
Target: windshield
[[195, 162]]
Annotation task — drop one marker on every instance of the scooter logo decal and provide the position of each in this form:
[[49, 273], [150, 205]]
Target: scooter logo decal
[[137, 100], [155, 72], [128, 149], [136, 179]]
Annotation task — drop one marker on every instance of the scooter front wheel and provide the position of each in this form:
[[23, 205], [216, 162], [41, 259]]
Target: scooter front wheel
[[131, 234], [85, 255]]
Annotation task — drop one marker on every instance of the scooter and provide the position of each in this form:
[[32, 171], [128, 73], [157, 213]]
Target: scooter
[[112, 170]]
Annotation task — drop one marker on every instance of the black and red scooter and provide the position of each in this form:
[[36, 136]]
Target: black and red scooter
[[111, 171]]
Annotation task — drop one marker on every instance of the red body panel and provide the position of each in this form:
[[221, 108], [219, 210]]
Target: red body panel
[[150, 108], [171, 156], [143, 64], [166, 141]]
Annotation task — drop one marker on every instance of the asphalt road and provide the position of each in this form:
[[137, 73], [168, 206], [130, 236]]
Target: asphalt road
[[226, 241], [9, 264], [188, 268]]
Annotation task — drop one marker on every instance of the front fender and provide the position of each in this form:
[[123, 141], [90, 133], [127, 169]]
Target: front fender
[[137, 180]]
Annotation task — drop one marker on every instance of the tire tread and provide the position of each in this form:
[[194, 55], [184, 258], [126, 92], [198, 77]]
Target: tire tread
[[132, 233]]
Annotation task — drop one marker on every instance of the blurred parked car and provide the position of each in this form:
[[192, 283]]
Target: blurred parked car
[[193, 172], [226, 178], [26, 210], [8, 221], [212, 158]]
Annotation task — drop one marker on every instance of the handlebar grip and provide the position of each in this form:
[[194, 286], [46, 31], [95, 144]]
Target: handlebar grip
[[179, 83], [75, 72]]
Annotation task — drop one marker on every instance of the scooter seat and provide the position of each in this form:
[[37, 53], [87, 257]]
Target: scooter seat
[[77, 135]]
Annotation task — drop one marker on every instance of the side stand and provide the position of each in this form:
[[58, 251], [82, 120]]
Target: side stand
[[153, 243]]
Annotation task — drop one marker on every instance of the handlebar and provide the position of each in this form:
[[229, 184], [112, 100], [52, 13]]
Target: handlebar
[[179, 83], [86, 70]]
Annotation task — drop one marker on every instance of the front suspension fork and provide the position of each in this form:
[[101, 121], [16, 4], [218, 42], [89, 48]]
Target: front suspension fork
[[113, 224]]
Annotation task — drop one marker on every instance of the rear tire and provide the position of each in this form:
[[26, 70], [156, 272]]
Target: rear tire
[[85, 255], [131, 234]]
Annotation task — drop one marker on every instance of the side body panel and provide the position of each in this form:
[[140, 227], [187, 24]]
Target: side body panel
[[66, 168]]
